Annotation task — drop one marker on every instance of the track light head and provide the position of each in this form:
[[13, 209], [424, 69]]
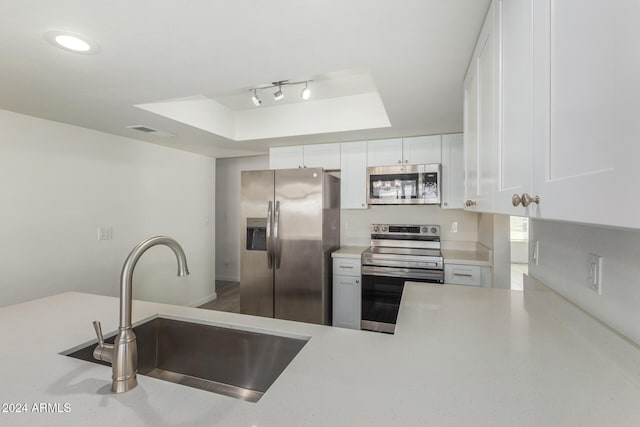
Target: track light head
[[255, 99], [278, 95], [306, 92]]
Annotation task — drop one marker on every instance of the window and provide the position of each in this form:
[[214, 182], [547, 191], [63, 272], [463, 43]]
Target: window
[[519, 228]]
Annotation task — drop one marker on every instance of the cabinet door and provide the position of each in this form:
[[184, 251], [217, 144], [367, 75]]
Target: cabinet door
[[515, 142], [481, 116], [452, 171], [325, 156], [470, 135], [384, 152], [286, 157], [346, 301], [353, 175], [586, 126], [487, 81], [421, 150]]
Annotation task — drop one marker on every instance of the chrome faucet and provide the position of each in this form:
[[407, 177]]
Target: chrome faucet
[[123, 354]]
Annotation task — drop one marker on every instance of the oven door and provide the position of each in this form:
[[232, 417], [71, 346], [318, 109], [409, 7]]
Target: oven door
[[382, 291]]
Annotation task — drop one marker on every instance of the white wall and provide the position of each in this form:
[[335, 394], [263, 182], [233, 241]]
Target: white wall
[[494, 232], [59, 183], [356, 222], [228, 212], [563, 252]]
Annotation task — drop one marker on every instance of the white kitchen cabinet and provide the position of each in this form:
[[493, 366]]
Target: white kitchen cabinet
[[469, 275], [286, 157], [452, 171], [325, 156], [347, 289], [422, 150], [353, 175], [384, 152], [586, 127], [418, 150], [567, 122], [481, 115], [514, 158]]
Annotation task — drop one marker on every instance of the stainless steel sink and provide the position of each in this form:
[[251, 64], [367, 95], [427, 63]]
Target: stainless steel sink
[[232, 362]]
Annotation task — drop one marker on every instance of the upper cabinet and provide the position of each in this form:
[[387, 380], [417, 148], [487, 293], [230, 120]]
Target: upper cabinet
[[353, 175], [452, 171], [404, 151], [561, 133], [586, 110], [514, 155], [481, 106], [422, 150], [325, 156], [384, 152], [286, 157]]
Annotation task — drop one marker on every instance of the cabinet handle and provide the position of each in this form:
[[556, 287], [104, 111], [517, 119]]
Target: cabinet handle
[[516, 200], [527, 199], [406, 161], [462, 274], [446, 204], [399, 161], [470, 203], [346, 266], [357, 281], [362, 205]]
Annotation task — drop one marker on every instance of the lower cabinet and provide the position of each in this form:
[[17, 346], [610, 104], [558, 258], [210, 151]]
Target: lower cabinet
[[470, 275], [347, 289]]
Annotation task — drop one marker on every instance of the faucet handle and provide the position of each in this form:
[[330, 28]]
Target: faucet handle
[[98, 328], [102, 351]]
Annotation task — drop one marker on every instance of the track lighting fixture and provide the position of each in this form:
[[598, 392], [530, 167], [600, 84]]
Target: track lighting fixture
[[278, 95], [306, 93], [255, 99]]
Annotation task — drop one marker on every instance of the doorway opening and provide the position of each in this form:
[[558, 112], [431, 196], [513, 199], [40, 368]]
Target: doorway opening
[[519, 236]]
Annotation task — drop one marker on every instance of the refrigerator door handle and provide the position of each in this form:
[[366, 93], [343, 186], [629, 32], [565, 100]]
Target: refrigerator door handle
[[268, 233], [276, 235]]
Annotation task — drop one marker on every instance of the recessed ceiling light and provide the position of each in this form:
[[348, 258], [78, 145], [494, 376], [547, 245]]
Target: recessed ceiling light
[[72, 42]]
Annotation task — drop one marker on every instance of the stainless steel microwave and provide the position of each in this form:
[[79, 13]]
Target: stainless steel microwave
[[404, 185]]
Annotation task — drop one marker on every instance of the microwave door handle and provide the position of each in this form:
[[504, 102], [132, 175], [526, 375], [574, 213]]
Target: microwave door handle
[[420, 185], [276, 235], [269, 240]]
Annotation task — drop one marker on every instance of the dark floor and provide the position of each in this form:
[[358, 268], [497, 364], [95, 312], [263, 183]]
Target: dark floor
[[228, 297]]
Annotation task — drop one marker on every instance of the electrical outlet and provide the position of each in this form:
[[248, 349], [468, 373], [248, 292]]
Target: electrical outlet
[[594, 273], [453, 227], [535, 250], [105, 233]]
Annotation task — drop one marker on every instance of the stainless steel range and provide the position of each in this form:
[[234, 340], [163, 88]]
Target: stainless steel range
[[398, 253]]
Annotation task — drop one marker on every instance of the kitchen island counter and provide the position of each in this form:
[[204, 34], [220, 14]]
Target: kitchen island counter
[[460, 356]]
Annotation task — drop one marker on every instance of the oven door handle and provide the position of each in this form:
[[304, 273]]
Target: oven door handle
[[435, 275]]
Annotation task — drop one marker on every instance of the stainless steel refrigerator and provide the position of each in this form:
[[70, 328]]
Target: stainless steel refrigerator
[[290, 224]]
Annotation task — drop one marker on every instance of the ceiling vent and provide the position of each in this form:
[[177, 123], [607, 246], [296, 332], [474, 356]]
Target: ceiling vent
[[151, 131]]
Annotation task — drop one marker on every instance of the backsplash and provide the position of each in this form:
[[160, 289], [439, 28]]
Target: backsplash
[[562, 265], [355, 222]]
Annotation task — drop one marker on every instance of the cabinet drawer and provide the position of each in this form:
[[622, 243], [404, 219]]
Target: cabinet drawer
[[463, 274], [346, 266]]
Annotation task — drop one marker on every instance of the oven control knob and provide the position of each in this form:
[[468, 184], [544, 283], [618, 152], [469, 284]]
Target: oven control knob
[[434, 230], [376, 229], [425, 229], [384, 228]]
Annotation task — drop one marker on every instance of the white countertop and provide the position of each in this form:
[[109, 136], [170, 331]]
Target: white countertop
[[461, 356], [466, 253], [349, 252]]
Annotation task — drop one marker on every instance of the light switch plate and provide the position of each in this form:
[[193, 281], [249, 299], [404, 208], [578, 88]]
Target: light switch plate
[[594, 273]]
